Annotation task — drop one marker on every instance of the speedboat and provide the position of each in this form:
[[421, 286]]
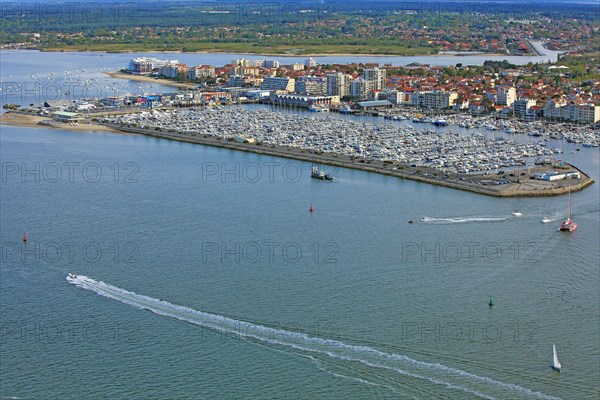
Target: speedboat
[[517, 213], [545, 220], [71, 276]]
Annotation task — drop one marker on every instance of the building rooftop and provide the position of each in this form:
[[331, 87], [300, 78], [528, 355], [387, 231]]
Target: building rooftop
[[66, 114], [374, 103]]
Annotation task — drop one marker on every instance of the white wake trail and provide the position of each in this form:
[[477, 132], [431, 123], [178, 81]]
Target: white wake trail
[[396, 363], [461, 220]]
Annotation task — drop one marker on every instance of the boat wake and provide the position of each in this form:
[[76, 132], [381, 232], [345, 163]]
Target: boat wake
[[461, 220], [552, 218], [328, 350]]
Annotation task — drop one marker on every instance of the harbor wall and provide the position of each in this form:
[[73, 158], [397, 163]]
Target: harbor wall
[[343, 161]]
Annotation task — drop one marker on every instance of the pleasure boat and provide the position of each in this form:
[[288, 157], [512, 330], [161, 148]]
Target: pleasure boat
[[555, 363], [517, 213], [568, 225]]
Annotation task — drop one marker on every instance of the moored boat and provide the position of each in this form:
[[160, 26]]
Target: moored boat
[[318, 173]]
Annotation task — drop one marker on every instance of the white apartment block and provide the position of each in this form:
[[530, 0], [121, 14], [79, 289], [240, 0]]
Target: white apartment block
[[171, 71], [583, 113], [338, 84], [143, 65], [376, 75], [435, 99], [200, 71], [521, 106], [310, 63], [311, 85], [506, 96], [361, 88], [276, 83]]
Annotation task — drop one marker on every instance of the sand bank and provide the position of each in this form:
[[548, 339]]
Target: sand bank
[[141, 78]]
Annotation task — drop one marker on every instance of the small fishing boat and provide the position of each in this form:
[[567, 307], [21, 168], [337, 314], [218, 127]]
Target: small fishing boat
[[318, 173]]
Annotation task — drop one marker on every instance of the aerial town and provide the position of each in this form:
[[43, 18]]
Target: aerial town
[[522, 92]]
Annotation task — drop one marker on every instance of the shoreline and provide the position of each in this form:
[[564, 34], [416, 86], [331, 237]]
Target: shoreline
[[36, 121], [536, 188], [141, 78], [527, 188], [441, 54]]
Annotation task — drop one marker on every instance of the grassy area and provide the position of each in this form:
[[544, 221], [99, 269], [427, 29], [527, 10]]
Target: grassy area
[[246, 48]]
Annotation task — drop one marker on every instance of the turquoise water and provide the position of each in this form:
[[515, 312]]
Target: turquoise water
[[249, 295]]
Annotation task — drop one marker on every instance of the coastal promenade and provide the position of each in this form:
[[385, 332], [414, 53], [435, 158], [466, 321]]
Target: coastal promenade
[[481, 184]]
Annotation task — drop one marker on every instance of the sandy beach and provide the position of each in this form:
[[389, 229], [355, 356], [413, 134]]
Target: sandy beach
[[140, 78], [36, 121]]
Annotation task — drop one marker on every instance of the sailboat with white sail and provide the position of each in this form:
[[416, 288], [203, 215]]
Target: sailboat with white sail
[[555, 363]]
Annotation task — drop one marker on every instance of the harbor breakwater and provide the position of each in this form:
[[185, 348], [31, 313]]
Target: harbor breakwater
[[475, 183]]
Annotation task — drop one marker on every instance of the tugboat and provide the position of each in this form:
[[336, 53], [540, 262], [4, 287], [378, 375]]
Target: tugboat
[[318, 173]]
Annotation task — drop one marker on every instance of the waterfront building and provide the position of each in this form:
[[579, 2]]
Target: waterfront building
[[311, 85], [586, 113], [67, 117], [522, 106], [145, 65], [338, 84], [235, 81], [435, 99], [394, 96], [200, 71], [583, 113], [295, 100], [278, 83], [375, 104], [505, 96], [172, 71]]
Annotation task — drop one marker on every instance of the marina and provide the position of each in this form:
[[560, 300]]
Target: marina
[[470, 162], [401, 289]]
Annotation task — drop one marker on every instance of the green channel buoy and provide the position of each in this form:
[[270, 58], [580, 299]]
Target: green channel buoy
[[491, 302]]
